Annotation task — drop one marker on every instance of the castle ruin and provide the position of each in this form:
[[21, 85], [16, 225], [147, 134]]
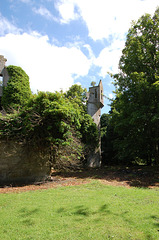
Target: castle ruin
[[19, 162], [4, 77], [95, 103]]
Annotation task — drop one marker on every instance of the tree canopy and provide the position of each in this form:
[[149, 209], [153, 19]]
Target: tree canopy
[[135, 110]]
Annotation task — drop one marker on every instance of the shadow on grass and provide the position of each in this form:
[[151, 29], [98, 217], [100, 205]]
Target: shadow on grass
[[26, 216], [85, 211], [24, 212], [82, 212], [139, 176]]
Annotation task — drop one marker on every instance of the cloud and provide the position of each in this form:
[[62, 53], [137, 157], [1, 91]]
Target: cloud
[[108, 20], [25, 1], [44, 12], [110, 95], [108, 58], [67, 10], [105, 18], [49, 67], [6, 26]]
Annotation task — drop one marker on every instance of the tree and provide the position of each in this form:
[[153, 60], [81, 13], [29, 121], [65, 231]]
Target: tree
[[77, 95], [88, 129], [135, 109], [17, 92], [93, 83]]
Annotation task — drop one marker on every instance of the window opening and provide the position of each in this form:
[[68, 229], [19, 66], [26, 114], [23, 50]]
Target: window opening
[[101, 94], [95, 93], [1, 80]]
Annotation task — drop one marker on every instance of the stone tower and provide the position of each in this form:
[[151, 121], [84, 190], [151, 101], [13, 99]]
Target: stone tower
[[95, 103], [3, 74]]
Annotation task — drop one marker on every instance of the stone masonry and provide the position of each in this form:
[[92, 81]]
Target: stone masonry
[[20, 163], [3, 74], [95, 103]]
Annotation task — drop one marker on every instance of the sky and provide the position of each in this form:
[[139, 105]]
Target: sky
[[59, 43]]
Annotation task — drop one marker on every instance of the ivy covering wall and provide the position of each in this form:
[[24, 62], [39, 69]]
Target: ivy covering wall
[[56, 121], [17, 92]]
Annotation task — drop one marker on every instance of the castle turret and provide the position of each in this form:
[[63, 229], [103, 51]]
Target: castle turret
[[95, 103], [4, 77], [3, 73]]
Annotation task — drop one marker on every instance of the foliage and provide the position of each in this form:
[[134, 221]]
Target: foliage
[[108, 136], [54, 120], [17, 92], [135, 110], [77, 95], [93, 83], [66, 213], [104, 122]]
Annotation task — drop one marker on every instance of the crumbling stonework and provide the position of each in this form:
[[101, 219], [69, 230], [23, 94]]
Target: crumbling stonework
[[95, 103], [3, 73], [21, 163], [2, 62]]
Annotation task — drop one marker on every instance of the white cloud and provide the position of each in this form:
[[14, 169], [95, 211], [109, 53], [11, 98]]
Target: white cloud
[[44, 12], [108, 58], [49, 67], [67, 10], [110, 95], [109, 20], [6, 26], [104, 17]]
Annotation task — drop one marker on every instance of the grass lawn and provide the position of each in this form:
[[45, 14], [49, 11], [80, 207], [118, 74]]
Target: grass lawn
[[90, 211]]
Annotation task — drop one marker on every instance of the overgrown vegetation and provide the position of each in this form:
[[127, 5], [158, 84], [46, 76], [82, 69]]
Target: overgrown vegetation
[[17, 92], [89, 211], [57, 121], [132, 134]]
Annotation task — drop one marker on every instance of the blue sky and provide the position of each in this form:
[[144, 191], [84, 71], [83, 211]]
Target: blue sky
[[62, 42]]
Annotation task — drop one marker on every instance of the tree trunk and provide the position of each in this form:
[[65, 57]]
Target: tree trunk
[[157, 154]]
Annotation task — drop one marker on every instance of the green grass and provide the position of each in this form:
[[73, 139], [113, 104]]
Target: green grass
[[91, 211]]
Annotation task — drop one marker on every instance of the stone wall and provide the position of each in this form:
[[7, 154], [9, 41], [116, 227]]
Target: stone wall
[[20, 163], [95, 103], [2, 63]]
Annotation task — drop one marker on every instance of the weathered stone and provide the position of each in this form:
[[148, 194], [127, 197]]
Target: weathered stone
[[95, 103], [2, 63], [22, 163], [3, 73]]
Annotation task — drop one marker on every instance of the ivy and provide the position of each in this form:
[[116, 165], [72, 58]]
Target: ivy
[[52, 120], [17, 92]]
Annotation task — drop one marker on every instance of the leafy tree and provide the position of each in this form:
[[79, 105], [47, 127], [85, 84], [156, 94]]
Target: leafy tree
[[56, 122], [135, 109], [77, 95], [104, 122], [108, 137], [93, 83], [17, 92]]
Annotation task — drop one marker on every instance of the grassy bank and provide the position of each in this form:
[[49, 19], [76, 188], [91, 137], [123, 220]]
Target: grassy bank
[[91, 211]]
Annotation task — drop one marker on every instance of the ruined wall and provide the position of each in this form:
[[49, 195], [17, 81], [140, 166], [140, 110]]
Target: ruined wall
[[95, 103], [22, 163], [95, 112], [3, 73], [2, 63]]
